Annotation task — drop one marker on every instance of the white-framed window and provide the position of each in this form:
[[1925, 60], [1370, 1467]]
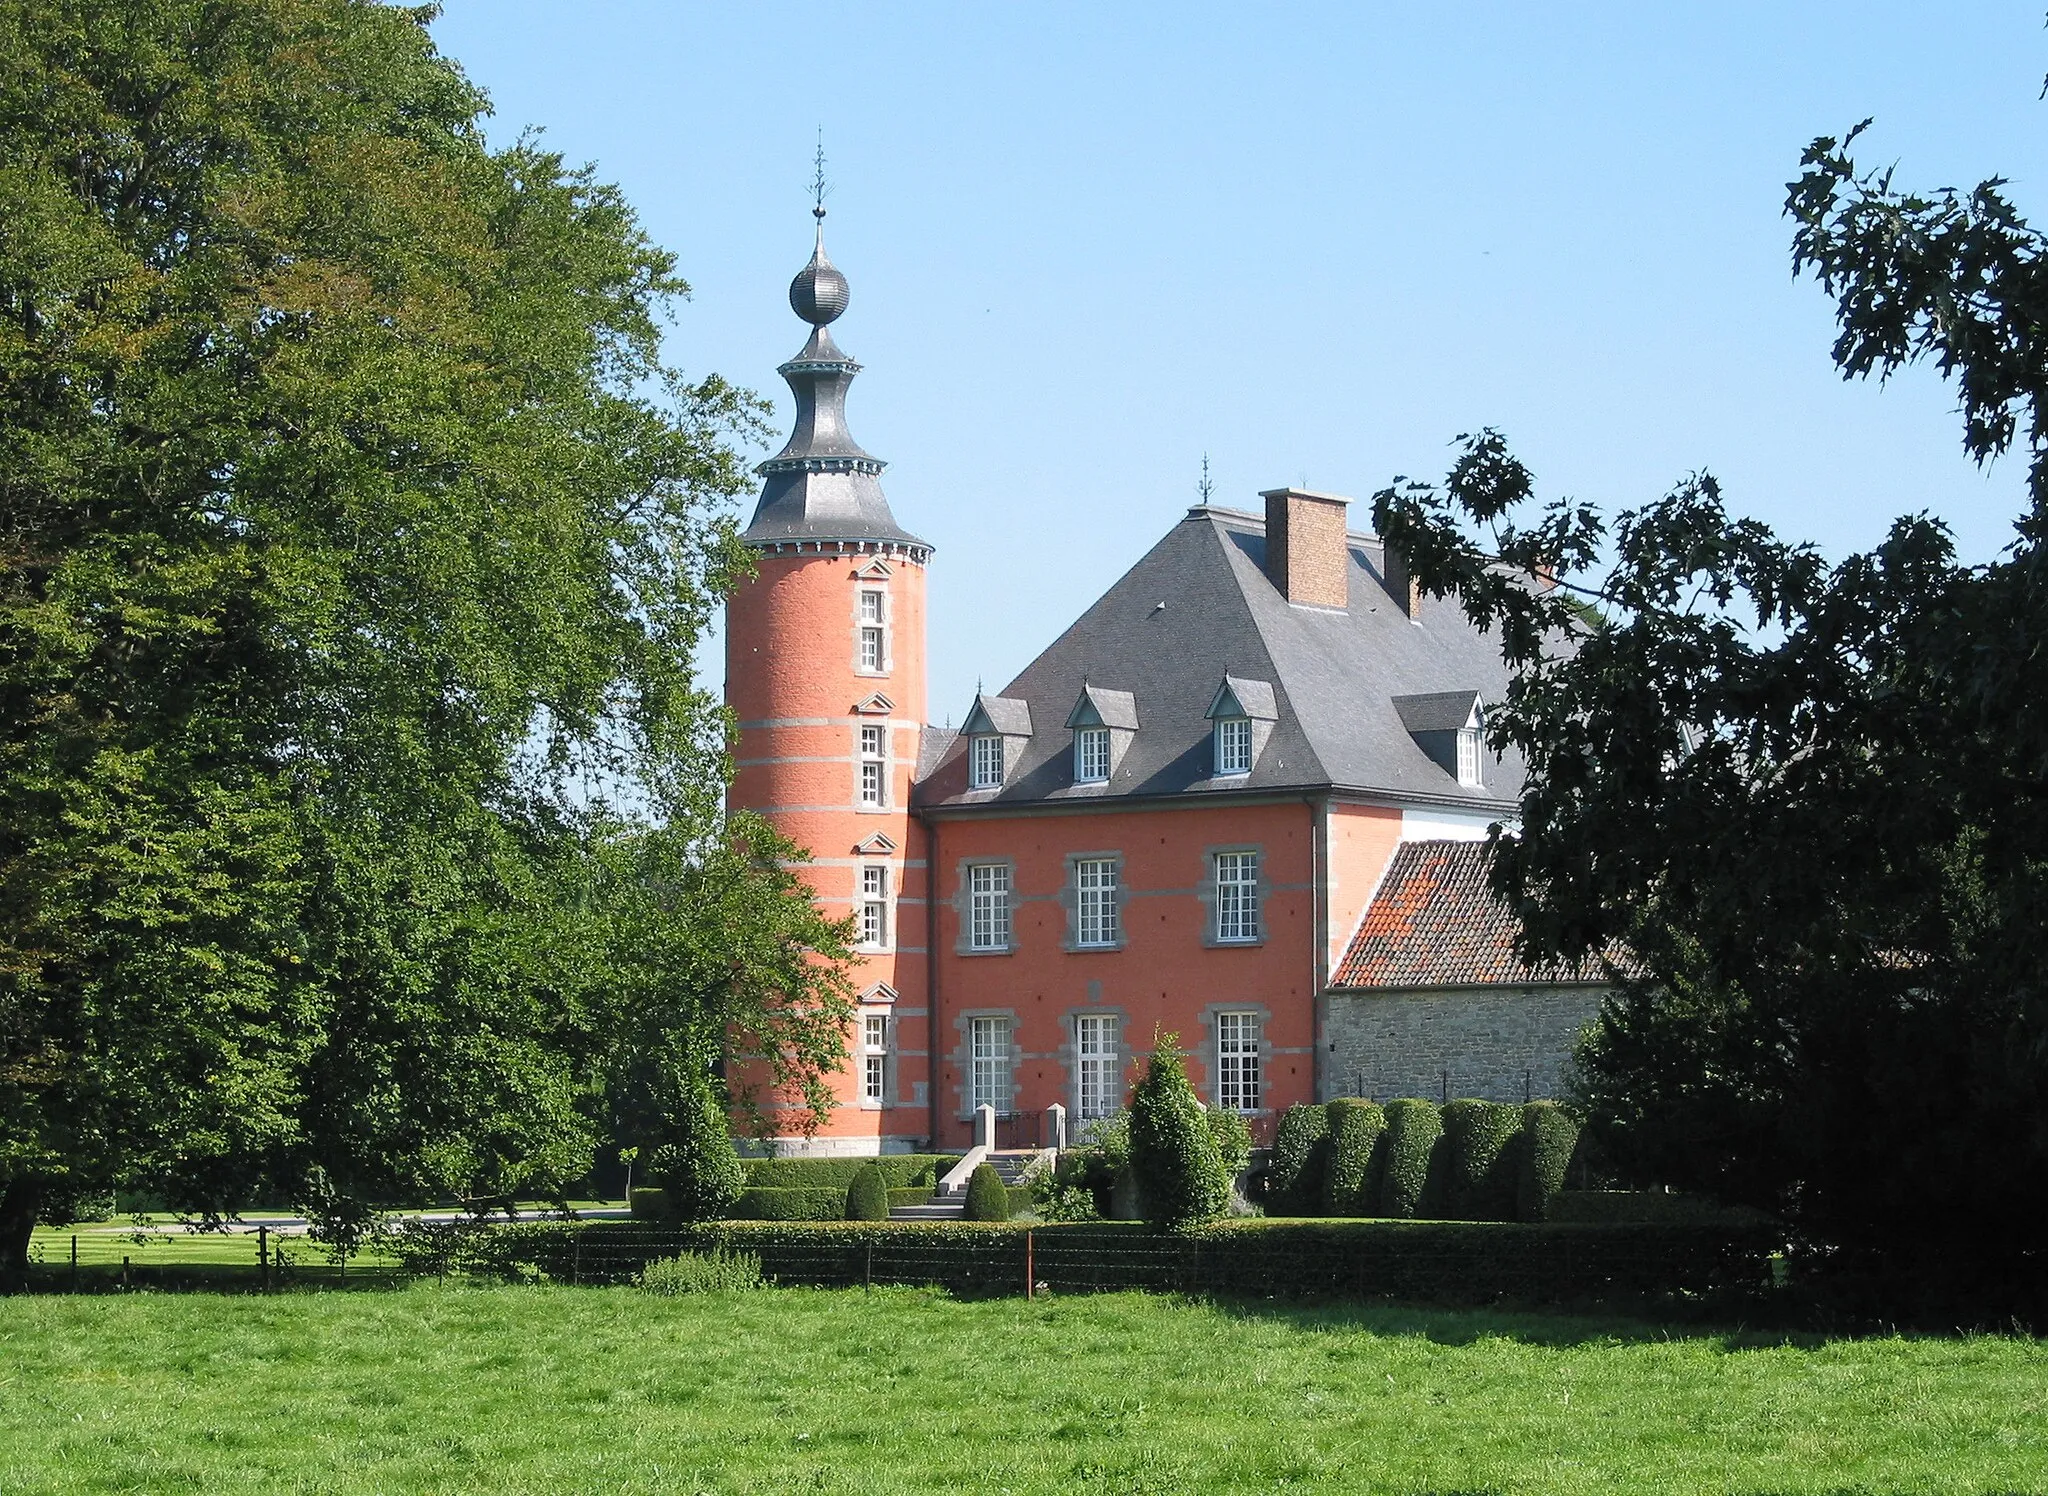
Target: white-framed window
[[874, 648], [1468, 755], [874, 1056], [1098, 1086], [988, 1071], [1237, 1062], [874, 766], [985, 761], [1091, 755], [1234, 745], [1237, 896], [1095, 918], [873, 632], [988, 906], [874, 906]]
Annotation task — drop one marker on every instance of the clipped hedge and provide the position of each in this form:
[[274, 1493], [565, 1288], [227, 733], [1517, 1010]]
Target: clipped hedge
[[648, 1204], [1480, 1183], [1357, 1157], [1623, 1207], [1544, 1153], [1301, 1157], [867, 1198], [1411, 1184], [790, 1205], [988, 1198], [915, 1195], [1463, 1262], [899, 1170]]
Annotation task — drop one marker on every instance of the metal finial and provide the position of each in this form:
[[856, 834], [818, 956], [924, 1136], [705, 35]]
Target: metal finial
[[819, 186], [1205, 488]]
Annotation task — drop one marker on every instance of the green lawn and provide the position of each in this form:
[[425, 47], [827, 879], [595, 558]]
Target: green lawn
[[559, 1390]]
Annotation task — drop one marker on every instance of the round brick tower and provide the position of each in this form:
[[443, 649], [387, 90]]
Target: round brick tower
[[825, 672]]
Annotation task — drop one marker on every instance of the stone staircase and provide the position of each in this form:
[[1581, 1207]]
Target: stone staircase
[[1010, 1164]]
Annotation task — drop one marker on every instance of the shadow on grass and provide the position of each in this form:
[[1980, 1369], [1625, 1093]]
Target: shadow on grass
[[1550, 1326]]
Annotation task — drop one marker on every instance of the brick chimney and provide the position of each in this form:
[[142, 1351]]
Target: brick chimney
[[1402, 587], [1307, 555]]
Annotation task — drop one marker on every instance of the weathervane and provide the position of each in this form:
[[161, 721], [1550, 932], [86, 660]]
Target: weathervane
[[819, 187], [1205, 487]]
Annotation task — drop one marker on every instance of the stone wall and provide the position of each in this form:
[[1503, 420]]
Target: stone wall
[[1402, 1043]]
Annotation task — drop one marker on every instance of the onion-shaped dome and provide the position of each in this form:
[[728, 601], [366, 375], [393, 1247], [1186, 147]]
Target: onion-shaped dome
[[819, 293]]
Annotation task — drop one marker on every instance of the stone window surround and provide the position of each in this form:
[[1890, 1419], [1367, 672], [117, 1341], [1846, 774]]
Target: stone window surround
[[963, 907], [1070, 903], [1262, 891], [871, 1007], [1211, 1066], [863, 584], [963, 1059], [1068, 1056]]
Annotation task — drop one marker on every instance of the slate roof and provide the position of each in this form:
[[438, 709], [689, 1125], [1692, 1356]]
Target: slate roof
[[1199, 608], [1434, 922]]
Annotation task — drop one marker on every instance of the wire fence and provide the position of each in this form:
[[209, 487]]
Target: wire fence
[[1465, 1262]]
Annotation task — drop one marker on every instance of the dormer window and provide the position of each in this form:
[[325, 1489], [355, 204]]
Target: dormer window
[[1103, 723], [985, 764], [1234, 745], [1243, 712], [1449, 726], [1091, 755], [1468, 755]]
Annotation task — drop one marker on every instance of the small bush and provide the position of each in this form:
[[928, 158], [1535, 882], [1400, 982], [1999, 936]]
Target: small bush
[[1173, 1153], [697, 1166], [1414, 1129], [1548, 1137], [1482, 1162], [790, 1205], [1233, 1138], [715, 1271], [867, 1198], [1301, 1146], [988, 1198], [1357, 1157], [917, 1195]]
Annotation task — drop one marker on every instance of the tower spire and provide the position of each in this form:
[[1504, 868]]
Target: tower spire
[[822, 485]]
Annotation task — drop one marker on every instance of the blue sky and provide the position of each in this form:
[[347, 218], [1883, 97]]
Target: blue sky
[[1089, 244]]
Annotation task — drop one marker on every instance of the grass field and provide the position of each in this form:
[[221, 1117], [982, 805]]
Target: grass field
[[559, 1390]]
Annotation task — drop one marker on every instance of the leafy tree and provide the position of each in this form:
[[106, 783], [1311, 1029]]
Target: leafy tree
[[355, 543], [1799, 803], [1173, 1153], [698, 1169]]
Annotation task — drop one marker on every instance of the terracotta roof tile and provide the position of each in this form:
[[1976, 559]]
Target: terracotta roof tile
[[1435, 923]]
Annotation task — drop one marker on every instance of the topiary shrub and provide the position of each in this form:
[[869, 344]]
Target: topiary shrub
[[715, 1271], [867, 1198], [648, 1204], [697, 1168], [988, 1198], [1549, 1136], [1357, 1157], [1414, 1129], [789, 1205], [1483, 1166], [1294, 1184], [1180, 1176]]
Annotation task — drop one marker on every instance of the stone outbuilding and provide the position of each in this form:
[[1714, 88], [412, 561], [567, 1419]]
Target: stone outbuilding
[[1430, 999]]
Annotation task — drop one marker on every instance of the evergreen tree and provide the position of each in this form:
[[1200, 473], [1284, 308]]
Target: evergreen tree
[[1180, 1175], [698, 1167]]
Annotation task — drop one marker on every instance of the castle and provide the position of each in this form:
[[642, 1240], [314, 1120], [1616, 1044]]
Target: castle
[[1244, 799]]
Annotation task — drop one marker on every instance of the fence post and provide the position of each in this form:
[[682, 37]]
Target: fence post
[[867, 1276], [1030, 1267], [263, 1255], [576, 1260], [74, 1262], [124, 1270]]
